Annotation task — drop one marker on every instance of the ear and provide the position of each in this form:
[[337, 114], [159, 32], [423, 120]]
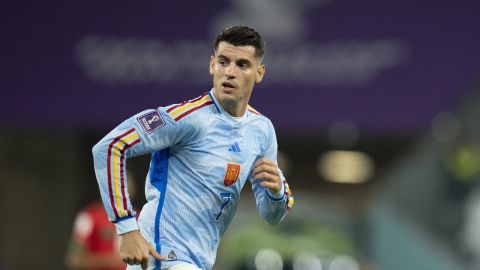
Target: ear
[[212, 64], [260, 73]]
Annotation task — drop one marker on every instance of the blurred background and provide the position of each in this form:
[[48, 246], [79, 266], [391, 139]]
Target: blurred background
[[376, 106]]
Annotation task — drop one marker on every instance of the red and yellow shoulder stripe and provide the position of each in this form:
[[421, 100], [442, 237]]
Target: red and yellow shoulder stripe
[[183, 109]]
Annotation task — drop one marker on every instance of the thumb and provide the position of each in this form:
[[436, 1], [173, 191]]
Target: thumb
[[155, 254]]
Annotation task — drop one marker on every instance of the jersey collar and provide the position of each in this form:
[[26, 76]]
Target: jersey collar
[[224, 113]]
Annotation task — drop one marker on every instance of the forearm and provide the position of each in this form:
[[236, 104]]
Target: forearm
[[272, 211], [270, 188], [110, 156], [271, 207]]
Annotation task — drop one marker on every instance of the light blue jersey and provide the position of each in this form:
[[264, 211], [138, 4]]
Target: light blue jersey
[[201, 158]]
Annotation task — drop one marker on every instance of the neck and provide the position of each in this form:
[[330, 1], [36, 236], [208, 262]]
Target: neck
[[234, 108]]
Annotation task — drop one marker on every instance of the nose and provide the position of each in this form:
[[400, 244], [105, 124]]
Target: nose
[[230, 71]]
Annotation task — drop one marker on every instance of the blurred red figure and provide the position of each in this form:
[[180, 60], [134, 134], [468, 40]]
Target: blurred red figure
[[94, 243]]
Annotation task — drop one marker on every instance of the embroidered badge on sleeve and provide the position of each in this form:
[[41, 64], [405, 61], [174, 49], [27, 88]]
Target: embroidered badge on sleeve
[[151, 121]]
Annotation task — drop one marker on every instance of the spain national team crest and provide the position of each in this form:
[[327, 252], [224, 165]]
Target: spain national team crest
[[231, 176]]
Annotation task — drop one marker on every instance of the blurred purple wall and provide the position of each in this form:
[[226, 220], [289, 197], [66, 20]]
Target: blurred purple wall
[[388, 66]]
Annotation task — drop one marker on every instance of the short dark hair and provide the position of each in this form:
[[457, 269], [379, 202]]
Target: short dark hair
[[241, 35]]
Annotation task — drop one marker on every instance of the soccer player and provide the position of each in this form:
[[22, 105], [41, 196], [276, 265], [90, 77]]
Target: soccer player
[[202, 153]]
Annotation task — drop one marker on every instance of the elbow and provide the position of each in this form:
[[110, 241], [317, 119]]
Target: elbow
[[275, 219], [96, 149], [271, 214], [99, 152]]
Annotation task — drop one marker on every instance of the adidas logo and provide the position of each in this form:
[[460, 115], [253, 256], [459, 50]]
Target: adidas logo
[[172, 256], [234, 148]]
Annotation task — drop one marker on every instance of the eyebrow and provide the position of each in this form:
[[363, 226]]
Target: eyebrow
[[223, 56]]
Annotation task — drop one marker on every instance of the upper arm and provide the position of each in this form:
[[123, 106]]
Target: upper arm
[[146, 132]]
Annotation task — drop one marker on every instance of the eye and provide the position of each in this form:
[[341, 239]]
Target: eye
[[244, 65], [222, 62]]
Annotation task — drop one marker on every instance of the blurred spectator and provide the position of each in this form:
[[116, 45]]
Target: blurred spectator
[[94, 241]]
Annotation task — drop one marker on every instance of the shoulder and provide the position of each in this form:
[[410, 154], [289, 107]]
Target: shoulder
[[193, 108], [175, 115], [260, 120]]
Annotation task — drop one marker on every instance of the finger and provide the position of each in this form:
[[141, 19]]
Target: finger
[[267, 168], [264, 161], [273, 187], [155, 254], [266, 176]]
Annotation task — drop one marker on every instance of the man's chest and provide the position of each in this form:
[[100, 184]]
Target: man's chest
[[225, 155]]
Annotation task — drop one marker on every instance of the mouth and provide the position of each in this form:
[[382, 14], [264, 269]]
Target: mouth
[[228, 85]]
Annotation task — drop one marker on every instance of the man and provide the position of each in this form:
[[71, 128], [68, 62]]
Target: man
[[203, 152]]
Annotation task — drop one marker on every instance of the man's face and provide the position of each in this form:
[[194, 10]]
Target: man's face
[[235, 70]]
